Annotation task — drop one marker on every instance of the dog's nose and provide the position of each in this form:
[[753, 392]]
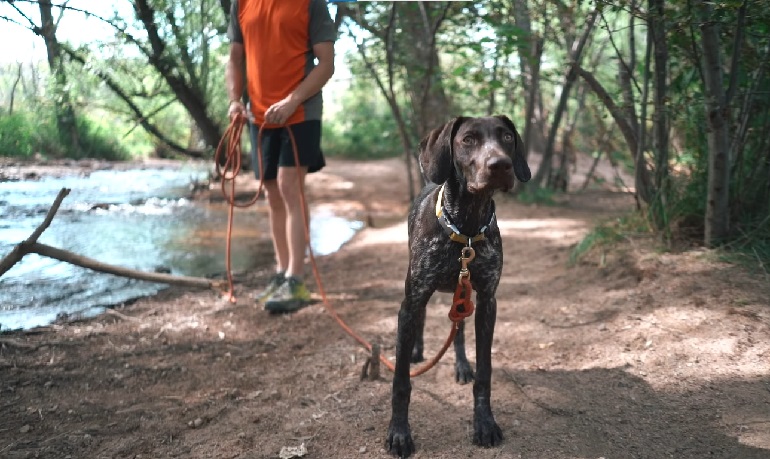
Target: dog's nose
[[499, 164]]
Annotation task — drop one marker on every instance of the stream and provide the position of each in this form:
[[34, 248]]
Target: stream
[[138, 219]]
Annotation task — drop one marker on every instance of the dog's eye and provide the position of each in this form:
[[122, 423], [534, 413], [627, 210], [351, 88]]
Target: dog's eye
[[507, 137], [468, 140]]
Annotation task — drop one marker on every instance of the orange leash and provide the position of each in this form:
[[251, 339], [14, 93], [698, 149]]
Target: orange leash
[[462, 306], [229, 152]]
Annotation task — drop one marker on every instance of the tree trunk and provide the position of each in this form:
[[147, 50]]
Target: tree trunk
[[530, 56], [12, 96], [717, 223], [617, 112], [66, 122], [577, 50], [625, 74], [660, 127], [419, 56], [190, 96]]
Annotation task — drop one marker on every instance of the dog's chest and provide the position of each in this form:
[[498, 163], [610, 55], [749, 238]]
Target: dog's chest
[[438, 264]]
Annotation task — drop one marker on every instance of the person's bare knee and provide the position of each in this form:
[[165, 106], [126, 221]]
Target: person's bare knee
[[273, 194], [290, 179]]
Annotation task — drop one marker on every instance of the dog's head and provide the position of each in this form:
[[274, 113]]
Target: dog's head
[[484, 152]]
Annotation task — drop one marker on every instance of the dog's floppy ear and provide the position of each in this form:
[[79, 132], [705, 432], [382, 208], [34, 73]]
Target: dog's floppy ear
[[520, 166], [436, 151]]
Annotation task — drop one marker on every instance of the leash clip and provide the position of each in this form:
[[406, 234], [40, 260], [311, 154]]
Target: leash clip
[[467, 255], [462, 305]]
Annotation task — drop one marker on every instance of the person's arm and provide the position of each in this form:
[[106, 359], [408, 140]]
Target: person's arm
[[279, 112], [234, 79]]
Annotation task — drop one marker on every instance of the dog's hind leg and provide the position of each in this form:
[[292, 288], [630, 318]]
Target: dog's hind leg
[[486, 432], [463, 369]]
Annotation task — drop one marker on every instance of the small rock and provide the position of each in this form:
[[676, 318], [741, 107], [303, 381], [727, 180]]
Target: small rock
[[603, 327], [290, 452], [362, 449], [25, 429], [196, 423]]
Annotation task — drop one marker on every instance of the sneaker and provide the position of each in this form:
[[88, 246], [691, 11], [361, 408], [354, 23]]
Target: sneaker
[[290, 296], [273, 285]]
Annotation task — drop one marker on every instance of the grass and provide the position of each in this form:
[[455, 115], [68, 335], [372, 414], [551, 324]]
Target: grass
[[608, 233], [24, 136]]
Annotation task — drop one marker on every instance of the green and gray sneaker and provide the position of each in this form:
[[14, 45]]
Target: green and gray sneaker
[[273, 285], [290, 296]]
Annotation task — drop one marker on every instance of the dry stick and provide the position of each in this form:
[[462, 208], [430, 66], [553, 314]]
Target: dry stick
[[90, 263], [30, 245], [22, 249]]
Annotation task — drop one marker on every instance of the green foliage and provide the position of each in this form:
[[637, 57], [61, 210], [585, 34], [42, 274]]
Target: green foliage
[[24, 135], [18, 136], [362, 127], [97, 140]]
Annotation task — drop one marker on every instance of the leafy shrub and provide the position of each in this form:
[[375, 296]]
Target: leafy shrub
[[23, 136], [18, 137]]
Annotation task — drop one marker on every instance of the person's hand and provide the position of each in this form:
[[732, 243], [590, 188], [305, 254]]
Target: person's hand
[[279, 112], [236, 108]]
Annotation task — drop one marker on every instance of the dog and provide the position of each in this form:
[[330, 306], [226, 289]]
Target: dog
[[465, 162]]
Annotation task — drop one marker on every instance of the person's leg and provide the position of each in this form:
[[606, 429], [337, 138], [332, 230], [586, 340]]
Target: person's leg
[[278, 224], [267, 171], [290, 182]]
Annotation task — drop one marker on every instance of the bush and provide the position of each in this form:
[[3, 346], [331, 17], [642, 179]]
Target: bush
[[362, 127], [23, 136], [18, 138]]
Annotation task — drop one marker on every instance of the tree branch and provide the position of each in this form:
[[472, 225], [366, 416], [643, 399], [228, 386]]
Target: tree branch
[[30, 245]]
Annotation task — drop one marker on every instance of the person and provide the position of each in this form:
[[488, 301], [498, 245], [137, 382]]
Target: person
[[274, 45]]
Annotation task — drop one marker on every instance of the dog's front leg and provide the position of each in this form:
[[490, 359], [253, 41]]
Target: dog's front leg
[[463, 369], [486, 432], [419, 346], [399, 441]]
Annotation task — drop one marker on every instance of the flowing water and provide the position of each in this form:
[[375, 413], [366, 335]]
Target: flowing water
[[138, 219]]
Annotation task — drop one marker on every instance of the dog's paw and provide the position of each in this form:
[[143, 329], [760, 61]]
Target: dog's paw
[[399, 442], [463, 372], [486, 432]]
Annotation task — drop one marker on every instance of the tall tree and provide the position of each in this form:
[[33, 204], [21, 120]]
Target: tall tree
[[717, 220], [66, 120]]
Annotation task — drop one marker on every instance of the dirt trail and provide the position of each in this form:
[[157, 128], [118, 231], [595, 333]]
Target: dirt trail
[[630, 354]]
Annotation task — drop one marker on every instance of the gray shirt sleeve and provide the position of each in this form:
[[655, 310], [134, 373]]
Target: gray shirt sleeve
[[234, 27], [321, 25]]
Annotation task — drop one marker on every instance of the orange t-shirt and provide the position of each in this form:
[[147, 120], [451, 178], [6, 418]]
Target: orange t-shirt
[[278, 38]]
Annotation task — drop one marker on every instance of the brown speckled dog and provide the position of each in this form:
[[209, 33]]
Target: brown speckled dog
[[467, 160]]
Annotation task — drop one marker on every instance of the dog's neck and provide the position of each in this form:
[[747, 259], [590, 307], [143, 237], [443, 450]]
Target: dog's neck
[[470, 212]]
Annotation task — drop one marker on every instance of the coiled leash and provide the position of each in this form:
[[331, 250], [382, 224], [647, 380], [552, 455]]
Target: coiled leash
[[228, 154], [228, 164]]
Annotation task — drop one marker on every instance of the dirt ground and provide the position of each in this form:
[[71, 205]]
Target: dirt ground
[[632, 353]]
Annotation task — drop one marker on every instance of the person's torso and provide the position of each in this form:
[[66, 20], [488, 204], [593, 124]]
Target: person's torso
[[279, 56]]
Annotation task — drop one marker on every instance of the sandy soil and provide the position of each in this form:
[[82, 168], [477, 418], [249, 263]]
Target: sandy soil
[[632, 353]]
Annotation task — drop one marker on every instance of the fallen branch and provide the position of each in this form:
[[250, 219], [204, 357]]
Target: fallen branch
[[20, 250], [90, 263], [30, 245]]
